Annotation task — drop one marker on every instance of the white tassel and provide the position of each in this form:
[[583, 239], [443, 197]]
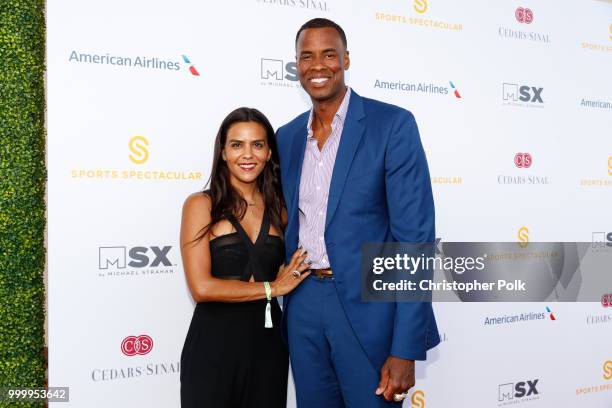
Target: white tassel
[[268, 324]]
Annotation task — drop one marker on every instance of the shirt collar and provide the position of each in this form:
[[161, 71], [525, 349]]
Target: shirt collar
[[340, 115]]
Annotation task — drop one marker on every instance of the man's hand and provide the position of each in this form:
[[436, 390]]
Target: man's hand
[[396, 377]]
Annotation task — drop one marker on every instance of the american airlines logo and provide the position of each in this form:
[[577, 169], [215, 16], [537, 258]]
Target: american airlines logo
[[133, 61]]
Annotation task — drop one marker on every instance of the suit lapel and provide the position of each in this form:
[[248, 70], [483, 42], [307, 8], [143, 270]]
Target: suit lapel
[[349, 141], [298, 146]]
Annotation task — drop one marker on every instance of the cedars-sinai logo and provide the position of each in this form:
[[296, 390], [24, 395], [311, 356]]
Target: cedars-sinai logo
[[136, 345], [523, 160], [524, 15]]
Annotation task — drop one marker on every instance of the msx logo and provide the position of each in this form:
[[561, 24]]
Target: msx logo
[[520, 389], [278, 70], [138, 257], [602, 239], [523, 93]]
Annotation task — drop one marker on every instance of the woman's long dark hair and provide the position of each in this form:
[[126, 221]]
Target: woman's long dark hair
[[225, 199]]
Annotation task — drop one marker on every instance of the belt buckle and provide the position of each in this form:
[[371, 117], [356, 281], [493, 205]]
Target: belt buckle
[[322, 275]]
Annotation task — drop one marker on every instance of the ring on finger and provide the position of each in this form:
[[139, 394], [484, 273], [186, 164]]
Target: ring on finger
[[400, 397], [296, 274]]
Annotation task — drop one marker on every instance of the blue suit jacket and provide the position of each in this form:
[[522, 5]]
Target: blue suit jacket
[[380, 191]]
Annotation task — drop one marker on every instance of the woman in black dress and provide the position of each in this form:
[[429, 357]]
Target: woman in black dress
[[232, 249]]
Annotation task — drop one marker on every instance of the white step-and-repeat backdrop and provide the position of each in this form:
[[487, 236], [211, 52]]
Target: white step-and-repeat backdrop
[[514, 102]]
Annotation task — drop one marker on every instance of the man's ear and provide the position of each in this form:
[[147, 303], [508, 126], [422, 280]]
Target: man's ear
[[347, 60]]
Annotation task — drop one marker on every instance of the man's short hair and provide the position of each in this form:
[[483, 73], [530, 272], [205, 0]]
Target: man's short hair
[[321, 23]]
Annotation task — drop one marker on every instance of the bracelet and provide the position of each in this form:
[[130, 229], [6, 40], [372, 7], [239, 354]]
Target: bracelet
[[268, 290], [268, 314]]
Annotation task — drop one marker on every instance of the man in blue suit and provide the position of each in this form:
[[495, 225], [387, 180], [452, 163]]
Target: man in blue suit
[[353, 171]]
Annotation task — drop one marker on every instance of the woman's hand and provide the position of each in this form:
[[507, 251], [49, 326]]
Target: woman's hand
[[286, 280]]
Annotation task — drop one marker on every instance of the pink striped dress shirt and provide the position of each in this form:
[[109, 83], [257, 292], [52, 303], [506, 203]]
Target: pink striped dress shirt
[[314, 186]]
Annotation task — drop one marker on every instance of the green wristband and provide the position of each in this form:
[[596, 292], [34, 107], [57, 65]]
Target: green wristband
[[268, 290]]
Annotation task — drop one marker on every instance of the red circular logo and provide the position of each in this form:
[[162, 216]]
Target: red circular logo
[[522, 160], [524, 15], [133, 345], [606, 300]]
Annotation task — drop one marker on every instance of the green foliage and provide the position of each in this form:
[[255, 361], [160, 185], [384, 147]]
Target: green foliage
[[22, 194]]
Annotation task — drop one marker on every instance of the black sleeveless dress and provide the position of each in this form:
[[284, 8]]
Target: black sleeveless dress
[[229, 358]]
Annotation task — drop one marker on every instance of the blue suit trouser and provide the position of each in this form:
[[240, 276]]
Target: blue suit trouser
[[330, 367]]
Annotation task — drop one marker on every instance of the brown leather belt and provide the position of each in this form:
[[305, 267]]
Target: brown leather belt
[[322, 273]]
